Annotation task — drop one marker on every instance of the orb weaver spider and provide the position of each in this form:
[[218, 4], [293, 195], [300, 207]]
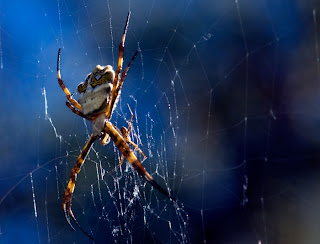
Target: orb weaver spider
[[98, 97]]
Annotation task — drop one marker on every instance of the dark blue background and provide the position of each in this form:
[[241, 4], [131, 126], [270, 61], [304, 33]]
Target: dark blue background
[[240, 121]]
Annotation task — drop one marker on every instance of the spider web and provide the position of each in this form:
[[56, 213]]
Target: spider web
[[224, 97]]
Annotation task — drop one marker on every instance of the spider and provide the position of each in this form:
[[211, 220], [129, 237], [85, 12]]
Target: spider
[[98, 97]]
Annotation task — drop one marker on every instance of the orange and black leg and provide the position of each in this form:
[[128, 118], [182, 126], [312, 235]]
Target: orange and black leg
[[67, 198], [64, 88], [135, 148], [77, 112], [121, 50], [116, 90], [124, 148], [119, 68], [124, 73], [126, 136]]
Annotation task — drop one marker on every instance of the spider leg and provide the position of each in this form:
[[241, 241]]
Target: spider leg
[[124, 73], [64, 88], [123, 146], [128, 130], [116, 89], [121, 160], [117, 74], [105, 140], [137, 148], [77, 112], [121, 50], [130, 123], [126, 135], [67, 198]]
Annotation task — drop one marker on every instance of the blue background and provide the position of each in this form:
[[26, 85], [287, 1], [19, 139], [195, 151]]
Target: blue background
[[231, 89]]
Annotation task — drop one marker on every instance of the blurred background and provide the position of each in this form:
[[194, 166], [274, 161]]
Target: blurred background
[[225, 97]]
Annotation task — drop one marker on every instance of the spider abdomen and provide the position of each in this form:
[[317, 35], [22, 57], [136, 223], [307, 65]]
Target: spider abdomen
[[92, 100], [96, 90]]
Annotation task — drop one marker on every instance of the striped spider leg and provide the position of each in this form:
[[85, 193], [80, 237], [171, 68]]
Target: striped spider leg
[[98, 97], [126, 136], [67, 198], [124, 148]]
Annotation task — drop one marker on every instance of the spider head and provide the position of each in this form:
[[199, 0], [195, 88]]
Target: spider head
[[96, 89]]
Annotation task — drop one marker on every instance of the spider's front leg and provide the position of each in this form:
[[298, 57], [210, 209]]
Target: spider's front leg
[[116, 82], [64, 88], [67, 198], [117, 87], [114, 93]]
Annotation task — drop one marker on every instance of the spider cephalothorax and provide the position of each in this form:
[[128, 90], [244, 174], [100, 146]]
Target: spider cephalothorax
[[98, 96]]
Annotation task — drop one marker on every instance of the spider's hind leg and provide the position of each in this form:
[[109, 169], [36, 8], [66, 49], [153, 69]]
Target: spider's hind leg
[[67, 198]]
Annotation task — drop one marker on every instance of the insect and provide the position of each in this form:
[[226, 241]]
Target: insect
[[98, 97]]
